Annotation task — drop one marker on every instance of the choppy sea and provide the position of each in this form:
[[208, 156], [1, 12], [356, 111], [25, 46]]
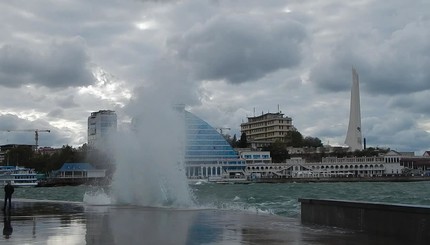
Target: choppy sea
[[277, 199]]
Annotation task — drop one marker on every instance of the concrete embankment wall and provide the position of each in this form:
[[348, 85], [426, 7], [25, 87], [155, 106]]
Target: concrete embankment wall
[[344, 179], [407, 222]]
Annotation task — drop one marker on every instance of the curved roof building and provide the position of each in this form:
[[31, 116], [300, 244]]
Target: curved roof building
[[207, 153]]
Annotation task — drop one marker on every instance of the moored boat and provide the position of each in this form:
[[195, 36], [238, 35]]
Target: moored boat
[[18, 176]]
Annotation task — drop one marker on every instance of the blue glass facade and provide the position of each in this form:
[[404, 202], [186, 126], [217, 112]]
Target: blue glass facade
[[207, 152]]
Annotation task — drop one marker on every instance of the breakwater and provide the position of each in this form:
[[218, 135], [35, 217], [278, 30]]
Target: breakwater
[[410, 223]]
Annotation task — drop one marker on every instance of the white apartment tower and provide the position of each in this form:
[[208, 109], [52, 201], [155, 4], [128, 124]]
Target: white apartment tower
[[267, 128], [100, 125], [354, 136]]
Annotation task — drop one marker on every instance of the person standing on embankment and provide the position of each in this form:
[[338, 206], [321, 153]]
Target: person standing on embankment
[[8, 191]]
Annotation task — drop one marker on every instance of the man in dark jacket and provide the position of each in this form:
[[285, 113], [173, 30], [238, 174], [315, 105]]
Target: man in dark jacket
[[8, 191]]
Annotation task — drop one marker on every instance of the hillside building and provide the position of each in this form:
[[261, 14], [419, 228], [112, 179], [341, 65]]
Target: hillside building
[[267, 128]]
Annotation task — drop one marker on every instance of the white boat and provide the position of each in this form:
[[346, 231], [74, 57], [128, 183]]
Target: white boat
[[236, 179], [18, 176]]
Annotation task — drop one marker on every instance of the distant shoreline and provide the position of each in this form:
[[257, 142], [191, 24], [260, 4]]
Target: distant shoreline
[[344, 179]]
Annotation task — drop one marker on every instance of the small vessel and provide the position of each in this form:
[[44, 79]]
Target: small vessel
[[233, 179], [18, 176]]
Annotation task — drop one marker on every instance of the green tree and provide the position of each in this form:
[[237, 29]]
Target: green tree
[[243, 142], [19, 156], [67, 154], [39, 162], [294, 138], [312, 142], [234, 141], [369, 152], [278, 151]]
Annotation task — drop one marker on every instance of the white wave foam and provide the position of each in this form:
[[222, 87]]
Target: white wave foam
[[236, 206], [97, 198]]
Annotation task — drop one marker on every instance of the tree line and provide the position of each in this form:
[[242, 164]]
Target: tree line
[[45, 163], [291, 139]]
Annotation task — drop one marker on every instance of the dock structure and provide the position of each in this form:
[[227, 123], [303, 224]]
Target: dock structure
[[409, 223]]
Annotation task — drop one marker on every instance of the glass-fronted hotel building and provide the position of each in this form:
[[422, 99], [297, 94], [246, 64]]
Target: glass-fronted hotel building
[[207, 153]]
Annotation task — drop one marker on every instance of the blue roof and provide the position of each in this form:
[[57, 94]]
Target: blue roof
[[76, 167]]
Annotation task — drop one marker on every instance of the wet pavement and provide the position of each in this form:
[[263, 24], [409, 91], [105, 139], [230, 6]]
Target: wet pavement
[[43, 222]]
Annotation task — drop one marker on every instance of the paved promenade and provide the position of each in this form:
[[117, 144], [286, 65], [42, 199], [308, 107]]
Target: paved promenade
[[38, 222]]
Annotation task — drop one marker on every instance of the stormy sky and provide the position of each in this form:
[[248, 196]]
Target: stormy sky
[[226, 60]]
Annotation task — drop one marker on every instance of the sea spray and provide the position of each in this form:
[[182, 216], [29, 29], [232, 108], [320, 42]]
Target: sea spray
[[97, 197], [149, 159]]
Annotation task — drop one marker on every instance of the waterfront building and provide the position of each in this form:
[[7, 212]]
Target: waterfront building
[[100, 125], [411, 164], [207, 153], [354, 135], [256, 157], [73, 171], [267, 128], [75, 174], [328, 167]]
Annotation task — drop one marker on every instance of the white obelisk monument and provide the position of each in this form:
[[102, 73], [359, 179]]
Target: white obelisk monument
[[353, 136]]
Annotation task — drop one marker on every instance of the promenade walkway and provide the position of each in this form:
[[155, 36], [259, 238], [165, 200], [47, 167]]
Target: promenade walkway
[[43, 222]]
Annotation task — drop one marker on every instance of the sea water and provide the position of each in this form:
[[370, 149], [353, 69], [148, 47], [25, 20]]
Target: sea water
[[274, 199], [223, 214]]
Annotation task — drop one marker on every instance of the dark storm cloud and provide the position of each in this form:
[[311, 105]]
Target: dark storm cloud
[[61, 64], [239, 48], [394, 63], [399, 133], [413, 102]]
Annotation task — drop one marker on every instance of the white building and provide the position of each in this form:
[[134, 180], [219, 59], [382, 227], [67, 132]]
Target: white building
[[328, 167], [100, 125], [267, 128], [255, 157]]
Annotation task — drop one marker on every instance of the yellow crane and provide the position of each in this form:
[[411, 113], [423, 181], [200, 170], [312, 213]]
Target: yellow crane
[[36, 133]]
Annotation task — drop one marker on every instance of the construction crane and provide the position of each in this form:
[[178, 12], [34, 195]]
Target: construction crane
[[36, 133]]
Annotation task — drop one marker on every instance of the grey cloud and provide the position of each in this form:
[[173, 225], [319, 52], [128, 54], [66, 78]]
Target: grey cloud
[[414, 102], [57, 113], [13, 122], [62, 64], [239, 48], [66, 102], [395, 131], [391, 64], [403, 61]]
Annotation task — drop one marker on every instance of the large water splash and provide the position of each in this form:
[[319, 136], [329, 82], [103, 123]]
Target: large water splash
[[150, 160]]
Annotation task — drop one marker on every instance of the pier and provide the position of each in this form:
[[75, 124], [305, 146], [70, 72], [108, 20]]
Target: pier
[[409, 223]]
